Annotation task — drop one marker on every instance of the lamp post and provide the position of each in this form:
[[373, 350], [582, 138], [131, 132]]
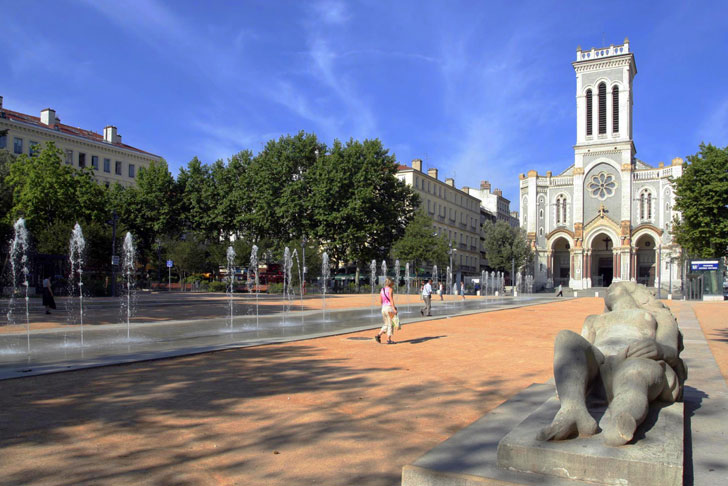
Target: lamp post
[[659, 272], [304, 240], [450, 252], [114, 258]]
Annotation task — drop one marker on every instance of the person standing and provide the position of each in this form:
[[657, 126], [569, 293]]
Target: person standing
[[427, 297], [441, 291], [462, 289], [48, 301], [561, 291], [389, 310]]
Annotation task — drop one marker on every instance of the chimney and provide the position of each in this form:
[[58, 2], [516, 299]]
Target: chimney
[[450, 182], [417, 164], [498, 192], [110, 135], [48, 117], [485, 186], [432, 173]]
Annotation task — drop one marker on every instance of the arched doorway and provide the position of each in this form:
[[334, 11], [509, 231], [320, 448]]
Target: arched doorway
[[645, 250], [561, 261], [602, 260]]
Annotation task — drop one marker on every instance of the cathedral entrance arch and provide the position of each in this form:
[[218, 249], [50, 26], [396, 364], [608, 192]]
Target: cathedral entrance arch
[[561, 261], [600, 260], [645, 250]]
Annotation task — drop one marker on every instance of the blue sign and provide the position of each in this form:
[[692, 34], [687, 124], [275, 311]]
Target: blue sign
[[170, 263], [704, 265]]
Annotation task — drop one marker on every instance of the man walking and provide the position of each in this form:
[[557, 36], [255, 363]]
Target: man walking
[[427, 297]]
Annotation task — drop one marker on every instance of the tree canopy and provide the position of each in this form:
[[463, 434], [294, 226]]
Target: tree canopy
[[505, 244], [420, 244], [701, 195], [359, 207], [46, 191]]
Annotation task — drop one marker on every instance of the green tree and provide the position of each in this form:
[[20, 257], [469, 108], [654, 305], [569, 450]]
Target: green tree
[[149, 210], [420, 244], [199, 199], [504, 245], [359, 206], [6, 196], [279, 191], [701, 195], [46, 191]]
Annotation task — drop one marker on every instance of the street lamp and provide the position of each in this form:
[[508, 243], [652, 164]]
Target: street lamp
[[304, 240], [114, 257]]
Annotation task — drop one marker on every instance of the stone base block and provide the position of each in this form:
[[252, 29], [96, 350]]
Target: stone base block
[[654, 459], [470, 457]]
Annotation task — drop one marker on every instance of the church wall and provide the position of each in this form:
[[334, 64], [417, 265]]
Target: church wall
[[588, 79], [612, 202]]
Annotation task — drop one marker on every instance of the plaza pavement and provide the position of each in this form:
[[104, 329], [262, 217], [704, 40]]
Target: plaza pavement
[[332, 410]]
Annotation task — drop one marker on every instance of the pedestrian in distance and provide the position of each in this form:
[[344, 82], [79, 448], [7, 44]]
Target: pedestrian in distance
[[441, 291], [462, 289], [48, 301], [389, 310], [561, 291], [427, 297]]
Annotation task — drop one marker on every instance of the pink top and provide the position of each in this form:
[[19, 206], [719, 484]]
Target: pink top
[[386, 295]]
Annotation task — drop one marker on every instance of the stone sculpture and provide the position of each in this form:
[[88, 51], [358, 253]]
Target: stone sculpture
[[629, 354]]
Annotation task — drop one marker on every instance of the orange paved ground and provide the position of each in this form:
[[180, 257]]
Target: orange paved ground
[[713, 317], [332, 410]]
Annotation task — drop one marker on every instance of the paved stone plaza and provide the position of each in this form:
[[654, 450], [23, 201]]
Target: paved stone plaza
[[331, 410]]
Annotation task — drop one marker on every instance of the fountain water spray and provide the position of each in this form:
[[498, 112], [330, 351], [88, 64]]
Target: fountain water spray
[[482, 283], [254, 269], [384, 270], [434, 275], [128, 269], [325, 273], [396, 274], [20, 271], [230, 255], [77, 248]]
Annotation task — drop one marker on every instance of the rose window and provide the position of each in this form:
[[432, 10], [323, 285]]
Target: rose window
[[602, 185]]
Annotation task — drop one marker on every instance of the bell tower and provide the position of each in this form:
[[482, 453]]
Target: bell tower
[[604, 153], [604, 94]]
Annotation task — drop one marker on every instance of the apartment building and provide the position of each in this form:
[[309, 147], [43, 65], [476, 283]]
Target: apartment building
[[111, 160], [454, 213]]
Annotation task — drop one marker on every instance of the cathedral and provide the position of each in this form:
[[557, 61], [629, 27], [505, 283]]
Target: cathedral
[[608, 216]]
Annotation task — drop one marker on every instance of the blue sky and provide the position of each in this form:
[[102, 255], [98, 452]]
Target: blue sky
[[480, 90]]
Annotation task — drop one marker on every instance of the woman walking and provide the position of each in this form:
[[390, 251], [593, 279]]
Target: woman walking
[[389, 310], [48, 300]]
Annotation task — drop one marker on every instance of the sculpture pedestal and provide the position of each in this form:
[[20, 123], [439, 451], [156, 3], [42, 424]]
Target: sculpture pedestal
[[470, 457], [654, 459]]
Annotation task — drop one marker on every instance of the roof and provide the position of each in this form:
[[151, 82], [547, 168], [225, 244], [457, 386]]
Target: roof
[[66, 129]]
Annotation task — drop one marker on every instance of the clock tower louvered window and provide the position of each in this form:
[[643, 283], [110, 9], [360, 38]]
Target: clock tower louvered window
[[615, 109], [588, 112], [602, 108]]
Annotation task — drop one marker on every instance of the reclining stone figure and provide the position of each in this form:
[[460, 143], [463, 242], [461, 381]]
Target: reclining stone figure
[[630, 353]]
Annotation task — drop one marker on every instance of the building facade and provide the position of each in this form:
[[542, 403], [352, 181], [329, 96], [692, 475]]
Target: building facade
[[111, 160], [608, 216], [454, 213]]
